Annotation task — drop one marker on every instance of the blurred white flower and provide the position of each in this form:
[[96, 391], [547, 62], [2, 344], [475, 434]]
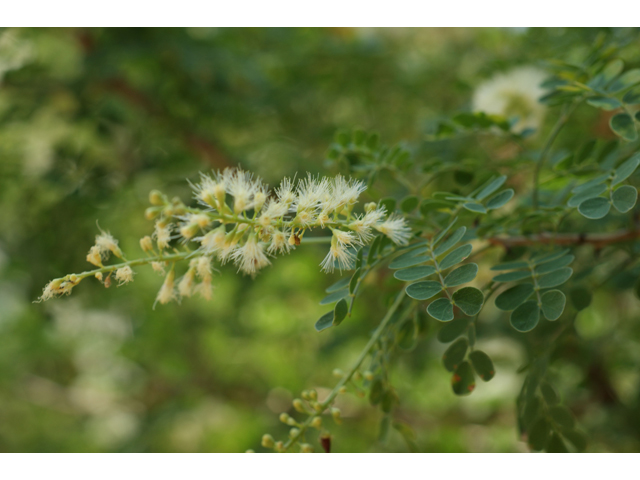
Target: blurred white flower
[[513, 94]]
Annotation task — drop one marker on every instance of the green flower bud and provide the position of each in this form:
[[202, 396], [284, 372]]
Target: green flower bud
[[267, 441]]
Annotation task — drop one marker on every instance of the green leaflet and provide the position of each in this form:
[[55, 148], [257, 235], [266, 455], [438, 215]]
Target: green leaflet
[[335, 296], [554, 264], [595, 208], [455, 257], [513, 297], [454, 355], [339, 285], [451, 241], [526, 316], [553, 303], [624, 198], [452, 330], [469, 300], [623, 125], [510, 265], [409, 259], [423, 290], [414, 273], [482, 364], [553, 279], [500, 199], [461, 275], [491, 187], [463, 381], [325, 321], [512, 276], [586, 194], [340, 312], [441, 309], [625, 170]]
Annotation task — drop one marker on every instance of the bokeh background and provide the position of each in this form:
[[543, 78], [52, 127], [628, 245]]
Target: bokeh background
[[92, 119]]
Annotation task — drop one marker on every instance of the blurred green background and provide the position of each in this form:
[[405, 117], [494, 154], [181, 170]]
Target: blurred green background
[[92, 119]]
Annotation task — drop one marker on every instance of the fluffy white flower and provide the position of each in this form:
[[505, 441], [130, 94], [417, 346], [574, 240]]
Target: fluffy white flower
[[396, 229], [513, 94], [337, 254], [279, 242], [167, 291], [251, 257], [124, 275]]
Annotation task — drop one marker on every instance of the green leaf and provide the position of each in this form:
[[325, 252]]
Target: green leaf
[[376, 392], [577, 439], [513, 297], [491, 187], [452, 330], [475, 207], [339, 285], [340, 312], [441, 235], [463, 177], [624, 198], [482, 364], [625, 170], [626, 80], [556, 278], [595, 208], [500, 199], [512, 276], [409, 259], [455, 257], [409, 203], [580, 297], [604, 103], [461, 275], [538, 259], [553, 303], [335, 296], [469, 300], [591, 183], [510, 265], [325, 321], [632, 97], [441, 309], [556, 445], [562, 417], [414, 273], [427, 206], [451, 241], [424, 290], [408, 435], [554, 264], [539, 434], [622, 124], [526, 316], [463, 381], [549, 394], [454, 355], [586, 194]]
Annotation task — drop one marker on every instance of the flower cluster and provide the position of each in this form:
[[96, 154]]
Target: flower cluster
[[239, 220]]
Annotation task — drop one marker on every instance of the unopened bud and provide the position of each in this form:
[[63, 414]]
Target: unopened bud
[[342, 389], [370, 207], [298, 405], [267, 441], [306, 448], [305, 395], [294, 432], [338, 373], [280, 447], [284, 418], [313, 395], [316, 422], [152, 212], [292, 422], [156, 198], [335, 413], [368, 375]]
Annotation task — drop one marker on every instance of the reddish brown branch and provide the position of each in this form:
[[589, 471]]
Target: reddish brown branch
[[598, 240]]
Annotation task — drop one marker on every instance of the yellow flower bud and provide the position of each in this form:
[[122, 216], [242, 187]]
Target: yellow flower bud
[[306, 448], [156, 198], [298, 405], [338, 373], [294, 432], [146, 243], [316, 423], [284, 418], [267, 441]]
